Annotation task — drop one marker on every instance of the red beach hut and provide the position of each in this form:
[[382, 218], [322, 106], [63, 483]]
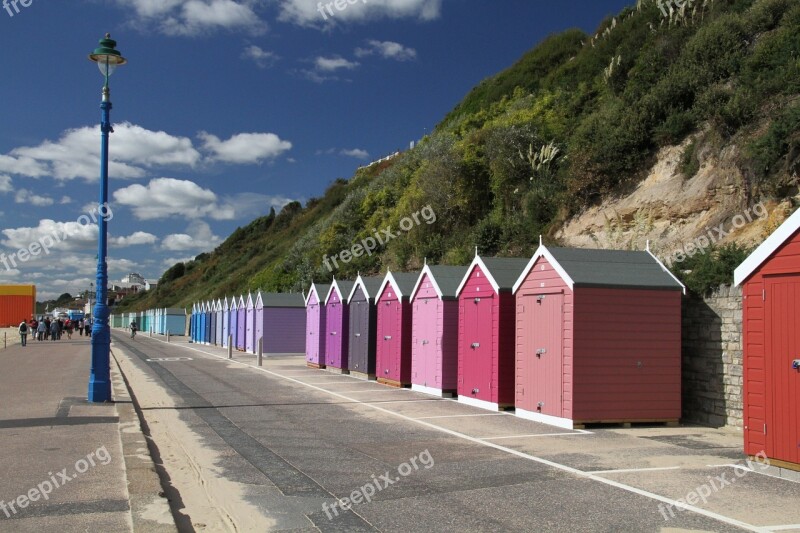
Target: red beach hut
[[337, 323], [486, 332], [363, 327], [393, 350], [770, 280], [598, 338], [434, 330], [316, 322]]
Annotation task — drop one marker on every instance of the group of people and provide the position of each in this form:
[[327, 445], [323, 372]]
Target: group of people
[[47, 328]]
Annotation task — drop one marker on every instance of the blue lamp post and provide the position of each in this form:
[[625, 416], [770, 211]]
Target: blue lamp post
[[108, 59]]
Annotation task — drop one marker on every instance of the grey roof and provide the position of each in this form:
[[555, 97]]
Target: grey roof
[[322, 289], [615, 268], [505, 270], [373, 285], [345, 286], [448, 278], [405, 282], [282, 299]]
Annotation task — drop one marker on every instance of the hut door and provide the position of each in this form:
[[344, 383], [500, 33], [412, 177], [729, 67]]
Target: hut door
[[478, 361], [783, 368], [312, 339], [545, 358], [390, 352], [333, 350], [426, 339]]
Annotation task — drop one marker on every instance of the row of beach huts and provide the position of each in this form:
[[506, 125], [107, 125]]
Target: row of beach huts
[[568, 337]]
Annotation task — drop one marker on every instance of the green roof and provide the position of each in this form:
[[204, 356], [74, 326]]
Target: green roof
[[282, 299], [448, 278], [613, 268], [505, 270]]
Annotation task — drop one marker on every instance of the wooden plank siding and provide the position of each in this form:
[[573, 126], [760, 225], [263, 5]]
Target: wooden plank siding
[[627, 354], [284, 329]]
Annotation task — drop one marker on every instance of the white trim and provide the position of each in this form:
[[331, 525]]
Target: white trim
[[226, 305], [542, 251], [664, 268], [241, 303], [360, 283], [249, 304], [564, 423], [334, 286], [259, 298], [482, 404], [389, 278], [784, 232], [432, 278], [478, 262], [234, 304], [316, 292], [429, 390]]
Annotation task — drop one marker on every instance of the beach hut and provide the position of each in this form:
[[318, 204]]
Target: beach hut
[[363, 326], [250, 324], [283, 323], [770, 281], [219, 322], [338, 321], [393, 349], [258, 327], [192, 323], [241, 324], [316, 323], [234, 325], [209, 313], [486, 332], [226, 322], [434, 330], [598, 338], [203, 319], [212, 337], [175, 321]]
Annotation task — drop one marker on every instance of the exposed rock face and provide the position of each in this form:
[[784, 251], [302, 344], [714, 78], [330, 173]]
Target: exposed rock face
[[677, 214]]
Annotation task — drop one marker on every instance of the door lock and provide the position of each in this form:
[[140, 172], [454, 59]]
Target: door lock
[[475, 391], [540, 352], [796, 364]]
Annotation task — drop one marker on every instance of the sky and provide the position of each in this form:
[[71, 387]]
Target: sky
[[225, 109]]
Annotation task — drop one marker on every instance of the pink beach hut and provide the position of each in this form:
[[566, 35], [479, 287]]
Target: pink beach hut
[[316, 322], [434, 330], [393, 350], [486, 333]]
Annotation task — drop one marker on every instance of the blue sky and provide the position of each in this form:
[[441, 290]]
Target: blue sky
[[226, 108]]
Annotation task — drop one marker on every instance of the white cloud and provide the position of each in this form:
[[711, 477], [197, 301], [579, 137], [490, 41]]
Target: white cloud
[[171, 261], [332, 64], [168, 197], [198, 236], [24, 196], [262, 58], [387, 50], [193, 17], [59, 235], [65, 200], [136, 238], [358, 153], [5, 184], [307, 12], [245, 148], [77, 154]]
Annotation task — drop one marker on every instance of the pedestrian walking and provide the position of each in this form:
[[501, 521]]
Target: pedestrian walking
[[40, 330], [81, 324], [47, 325], [54, 331], [33, 326], [23, 333], [68, 327]]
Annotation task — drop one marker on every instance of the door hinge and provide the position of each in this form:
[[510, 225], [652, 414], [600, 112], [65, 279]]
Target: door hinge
[[764, 295]]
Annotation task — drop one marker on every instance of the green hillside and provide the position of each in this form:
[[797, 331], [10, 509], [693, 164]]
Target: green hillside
[[577, 118]]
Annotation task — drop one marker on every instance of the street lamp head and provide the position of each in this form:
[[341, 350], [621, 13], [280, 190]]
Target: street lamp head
[[107, 57]]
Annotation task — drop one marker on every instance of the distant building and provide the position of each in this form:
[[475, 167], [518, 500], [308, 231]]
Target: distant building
[[17, 303], [134, 279]]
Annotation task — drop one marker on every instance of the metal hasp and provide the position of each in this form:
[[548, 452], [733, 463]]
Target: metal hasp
[[108, 58]]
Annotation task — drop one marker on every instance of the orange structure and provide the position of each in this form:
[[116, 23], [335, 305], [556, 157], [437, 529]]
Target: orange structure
[[17, 303]]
